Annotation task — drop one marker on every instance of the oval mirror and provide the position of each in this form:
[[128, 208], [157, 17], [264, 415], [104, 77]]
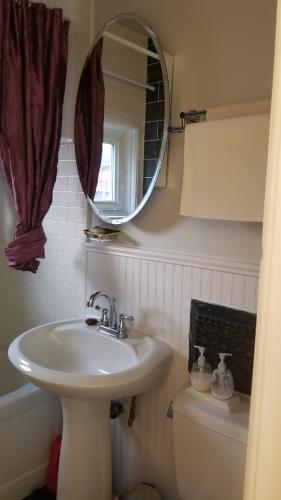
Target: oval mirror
[[136, 111]]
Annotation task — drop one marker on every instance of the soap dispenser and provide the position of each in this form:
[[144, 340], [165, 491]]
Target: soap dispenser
[[201, 372], [222, 386]]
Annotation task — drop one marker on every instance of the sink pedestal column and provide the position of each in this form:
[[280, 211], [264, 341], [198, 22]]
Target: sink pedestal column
[[85, 460]]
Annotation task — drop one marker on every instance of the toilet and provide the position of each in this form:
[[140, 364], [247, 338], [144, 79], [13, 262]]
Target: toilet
[[209, 447]]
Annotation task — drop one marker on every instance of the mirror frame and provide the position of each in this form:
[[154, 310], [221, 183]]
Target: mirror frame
[[164, 144]]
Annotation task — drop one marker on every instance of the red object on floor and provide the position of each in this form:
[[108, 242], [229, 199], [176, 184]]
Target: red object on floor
[[53, 466]]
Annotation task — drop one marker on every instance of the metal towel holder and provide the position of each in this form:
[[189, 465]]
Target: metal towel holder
[[192, 116]]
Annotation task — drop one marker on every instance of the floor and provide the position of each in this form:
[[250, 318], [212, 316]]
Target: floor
[[41, 494]]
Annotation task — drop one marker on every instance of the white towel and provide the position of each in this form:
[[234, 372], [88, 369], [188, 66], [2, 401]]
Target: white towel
[[242, 109], [225, 168]]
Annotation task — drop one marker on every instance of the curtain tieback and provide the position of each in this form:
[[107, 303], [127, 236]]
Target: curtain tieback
[[23, 250]]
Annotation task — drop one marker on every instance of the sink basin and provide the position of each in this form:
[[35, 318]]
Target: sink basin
[[87, 369], [70, 358]]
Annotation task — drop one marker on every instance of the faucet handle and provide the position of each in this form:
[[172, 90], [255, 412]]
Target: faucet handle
[[104, 314], [128, 318], [122, 327]]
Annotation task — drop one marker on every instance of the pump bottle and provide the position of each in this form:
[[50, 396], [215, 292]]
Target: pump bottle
[[222, 386], [201, 372]]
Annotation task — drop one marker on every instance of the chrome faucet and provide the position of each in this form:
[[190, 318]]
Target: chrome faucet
[[108, 323]]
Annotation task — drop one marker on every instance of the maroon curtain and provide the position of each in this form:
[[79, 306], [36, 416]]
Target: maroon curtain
[[89, 116], [33, 59]]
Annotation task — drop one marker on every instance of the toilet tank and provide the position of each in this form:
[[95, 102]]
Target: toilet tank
[[210, 448]]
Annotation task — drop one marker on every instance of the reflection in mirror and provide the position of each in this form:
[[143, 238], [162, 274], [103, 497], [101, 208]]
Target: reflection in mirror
[[136, 112]]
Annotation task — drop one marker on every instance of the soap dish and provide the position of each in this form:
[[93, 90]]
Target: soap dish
[[101, 235], [227, 405]]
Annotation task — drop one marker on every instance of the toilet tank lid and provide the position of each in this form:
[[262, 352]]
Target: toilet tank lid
[[232, 425]]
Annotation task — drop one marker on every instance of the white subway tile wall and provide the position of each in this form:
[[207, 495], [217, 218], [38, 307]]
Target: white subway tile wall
[[57, 291]]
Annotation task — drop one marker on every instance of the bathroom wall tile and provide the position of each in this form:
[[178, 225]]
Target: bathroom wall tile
[[146, 183], [61, 183], [151, 46], [55, 198], [160, 129], [155, 111], [78, 215], [62, 289], [161, 91], [50, 256], [67, 152], [67, 229], [80, 230], [149, 167], [80, 294], [67, 167], [73, 276], [153, 95], [55, 272], [76, 246], [50, 227], [82, 202], [73, 184], [74, 308], [152, 149], [151, 131], [154, 73], [56, 214], [55, 243], [43, 268], [70, 260], [67, 199]]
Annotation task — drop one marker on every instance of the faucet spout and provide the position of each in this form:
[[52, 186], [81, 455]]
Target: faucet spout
[[110, 325], [92, 298], [112, 306]]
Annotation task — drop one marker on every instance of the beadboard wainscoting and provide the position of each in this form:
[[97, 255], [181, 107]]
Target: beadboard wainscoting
[[157, 287]]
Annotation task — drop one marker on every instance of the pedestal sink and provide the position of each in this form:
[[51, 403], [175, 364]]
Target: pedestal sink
[[87, 369]]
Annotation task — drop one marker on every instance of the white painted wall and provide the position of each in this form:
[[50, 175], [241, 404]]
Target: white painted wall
[[223, 53]]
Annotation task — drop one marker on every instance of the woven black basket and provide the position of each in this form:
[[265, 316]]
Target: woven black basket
[[222, 329]]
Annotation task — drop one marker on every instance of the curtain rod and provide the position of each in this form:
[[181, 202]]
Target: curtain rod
[[66, 17], [128, 80], [131, 45]]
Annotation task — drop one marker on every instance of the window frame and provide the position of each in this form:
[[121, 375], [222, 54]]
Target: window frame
[[126, 137]]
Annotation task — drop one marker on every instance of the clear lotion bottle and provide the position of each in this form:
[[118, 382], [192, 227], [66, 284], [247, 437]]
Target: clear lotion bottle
[[222, 386], [201, 372]]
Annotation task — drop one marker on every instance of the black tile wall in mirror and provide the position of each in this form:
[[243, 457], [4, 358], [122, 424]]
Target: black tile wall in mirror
[[154, 118]]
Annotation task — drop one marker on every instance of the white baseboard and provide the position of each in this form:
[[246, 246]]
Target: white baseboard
[[23, 485]]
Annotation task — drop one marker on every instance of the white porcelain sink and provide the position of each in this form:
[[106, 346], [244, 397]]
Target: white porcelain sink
[[87, 369], [73, 359]]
